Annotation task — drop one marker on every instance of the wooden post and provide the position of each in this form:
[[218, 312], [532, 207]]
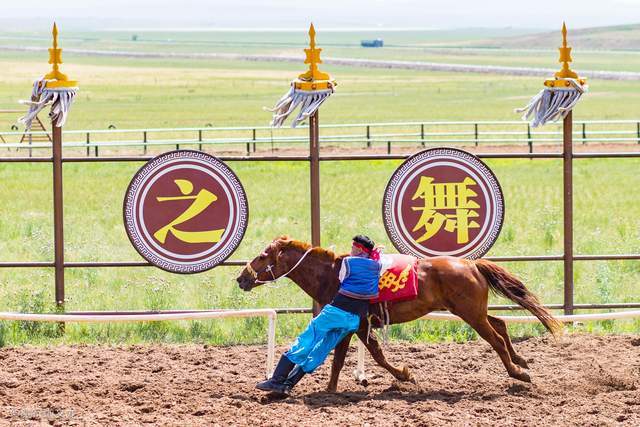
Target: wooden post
[[368, 136], [58, 229], [200, 139], [88, 142], [253, 137], [475, 133], [144, 142], [314, 170], [422, 133], [567, 137], [584, 133], [529, 140]]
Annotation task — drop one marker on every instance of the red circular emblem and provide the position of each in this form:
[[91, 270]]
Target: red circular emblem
[[443, 201], [185, 211]]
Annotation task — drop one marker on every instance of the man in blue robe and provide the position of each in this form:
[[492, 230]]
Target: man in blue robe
[[359, 276]]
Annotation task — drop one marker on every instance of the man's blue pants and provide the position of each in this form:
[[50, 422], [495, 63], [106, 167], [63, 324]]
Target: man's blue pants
[[324, 332]]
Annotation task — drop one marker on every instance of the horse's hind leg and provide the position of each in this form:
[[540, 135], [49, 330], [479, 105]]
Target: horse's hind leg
[[501, 328], [481, 324], [339, 354], [375, 350]]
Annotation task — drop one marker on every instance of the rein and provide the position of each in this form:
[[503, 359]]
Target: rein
[[269, 268]]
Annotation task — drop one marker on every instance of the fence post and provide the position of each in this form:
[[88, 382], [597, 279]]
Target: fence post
[[638, 131], [58, 229], [475, 131], [368, 136], [584, 133], [422, 133], [388, 147], [529, 140], [248, 148], [30, 143], [200, 139], [88, 142], [314, 172], [144, 141], [254, 140], [95, 149], [567, 155]]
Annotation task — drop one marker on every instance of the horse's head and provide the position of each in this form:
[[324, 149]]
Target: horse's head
[[266, 267]]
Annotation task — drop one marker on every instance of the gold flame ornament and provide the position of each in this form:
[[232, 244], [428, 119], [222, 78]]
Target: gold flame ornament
[[308, 91], [560, 94], [53, 88]]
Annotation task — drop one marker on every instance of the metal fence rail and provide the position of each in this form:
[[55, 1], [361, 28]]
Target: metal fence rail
[[250, 138], [314, 158]]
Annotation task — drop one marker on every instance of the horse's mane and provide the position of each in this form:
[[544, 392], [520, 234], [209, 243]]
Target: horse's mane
[[321, 253]]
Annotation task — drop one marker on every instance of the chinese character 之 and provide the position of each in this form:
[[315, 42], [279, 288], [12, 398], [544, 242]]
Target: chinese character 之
[[201, 201]]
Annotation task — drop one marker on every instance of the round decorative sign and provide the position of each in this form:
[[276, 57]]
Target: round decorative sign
[[185, 211], [443, 201]]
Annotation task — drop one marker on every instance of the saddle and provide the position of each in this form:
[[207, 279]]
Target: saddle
[[398, 279]]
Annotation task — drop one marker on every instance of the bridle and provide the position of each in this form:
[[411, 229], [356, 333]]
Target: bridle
[[269, 269]]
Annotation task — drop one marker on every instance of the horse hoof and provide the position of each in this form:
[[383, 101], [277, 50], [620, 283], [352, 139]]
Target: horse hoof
[[332, 389], [406, 375], [521, 361], [522, 376]]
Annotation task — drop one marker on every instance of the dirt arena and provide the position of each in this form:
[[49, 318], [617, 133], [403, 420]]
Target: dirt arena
[[581, 380]]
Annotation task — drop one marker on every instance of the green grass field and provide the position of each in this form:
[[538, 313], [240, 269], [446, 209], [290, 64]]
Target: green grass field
[[135, 93]]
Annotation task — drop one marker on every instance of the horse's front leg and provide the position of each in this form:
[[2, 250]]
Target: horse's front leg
[[375, 350], [339, 354]]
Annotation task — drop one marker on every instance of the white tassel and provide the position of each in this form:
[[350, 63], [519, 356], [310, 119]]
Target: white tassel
[[59, 98], [308, 101], [552, 104]]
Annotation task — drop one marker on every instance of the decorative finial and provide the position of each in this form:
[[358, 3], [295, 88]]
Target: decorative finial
[[55, 77], [565, 58], [313, 59], [312, 36]]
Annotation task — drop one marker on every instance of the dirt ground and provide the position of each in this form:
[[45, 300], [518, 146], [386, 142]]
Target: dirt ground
[[580, 380]]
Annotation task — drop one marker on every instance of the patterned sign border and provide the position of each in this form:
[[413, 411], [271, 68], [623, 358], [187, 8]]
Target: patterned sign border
[[176, 267]]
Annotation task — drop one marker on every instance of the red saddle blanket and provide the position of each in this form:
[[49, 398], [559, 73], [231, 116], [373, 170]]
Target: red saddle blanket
[[399, 281]]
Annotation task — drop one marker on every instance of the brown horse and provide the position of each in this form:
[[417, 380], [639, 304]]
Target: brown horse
[[444, 283]]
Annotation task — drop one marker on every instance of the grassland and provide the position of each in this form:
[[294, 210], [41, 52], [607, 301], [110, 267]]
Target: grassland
[[170, 93]]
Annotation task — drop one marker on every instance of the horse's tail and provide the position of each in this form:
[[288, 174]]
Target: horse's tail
[[509, 286]]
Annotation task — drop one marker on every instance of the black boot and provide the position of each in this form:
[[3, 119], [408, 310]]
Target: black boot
[[294, 377], [276, 383]]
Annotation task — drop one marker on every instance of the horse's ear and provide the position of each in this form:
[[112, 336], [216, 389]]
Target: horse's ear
[[284, 239]]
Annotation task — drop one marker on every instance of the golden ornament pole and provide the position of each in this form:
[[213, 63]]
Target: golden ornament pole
[[56, 80]]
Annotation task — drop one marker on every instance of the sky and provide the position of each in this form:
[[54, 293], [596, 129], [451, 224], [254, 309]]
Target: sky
[[292, 14]]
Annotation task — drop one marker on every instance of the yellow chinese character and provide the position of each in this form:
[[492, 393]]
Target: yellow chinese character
[[446, 196], [200, 202], [394, 282]]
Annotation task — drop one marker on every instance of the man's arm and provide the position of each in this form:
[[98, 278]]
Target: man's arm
[[344, 270]]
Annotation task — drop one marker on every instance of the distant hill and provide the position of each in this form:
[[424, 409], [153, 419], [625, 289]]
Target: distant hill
[[620, 37]]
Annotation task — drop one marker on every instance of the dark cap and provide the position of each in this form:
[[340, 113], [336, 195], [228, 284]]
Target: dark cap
[[364, 241]]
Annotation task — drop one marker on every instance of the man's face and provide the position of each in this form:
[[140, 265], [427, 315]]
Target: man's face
[[355, 251]]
